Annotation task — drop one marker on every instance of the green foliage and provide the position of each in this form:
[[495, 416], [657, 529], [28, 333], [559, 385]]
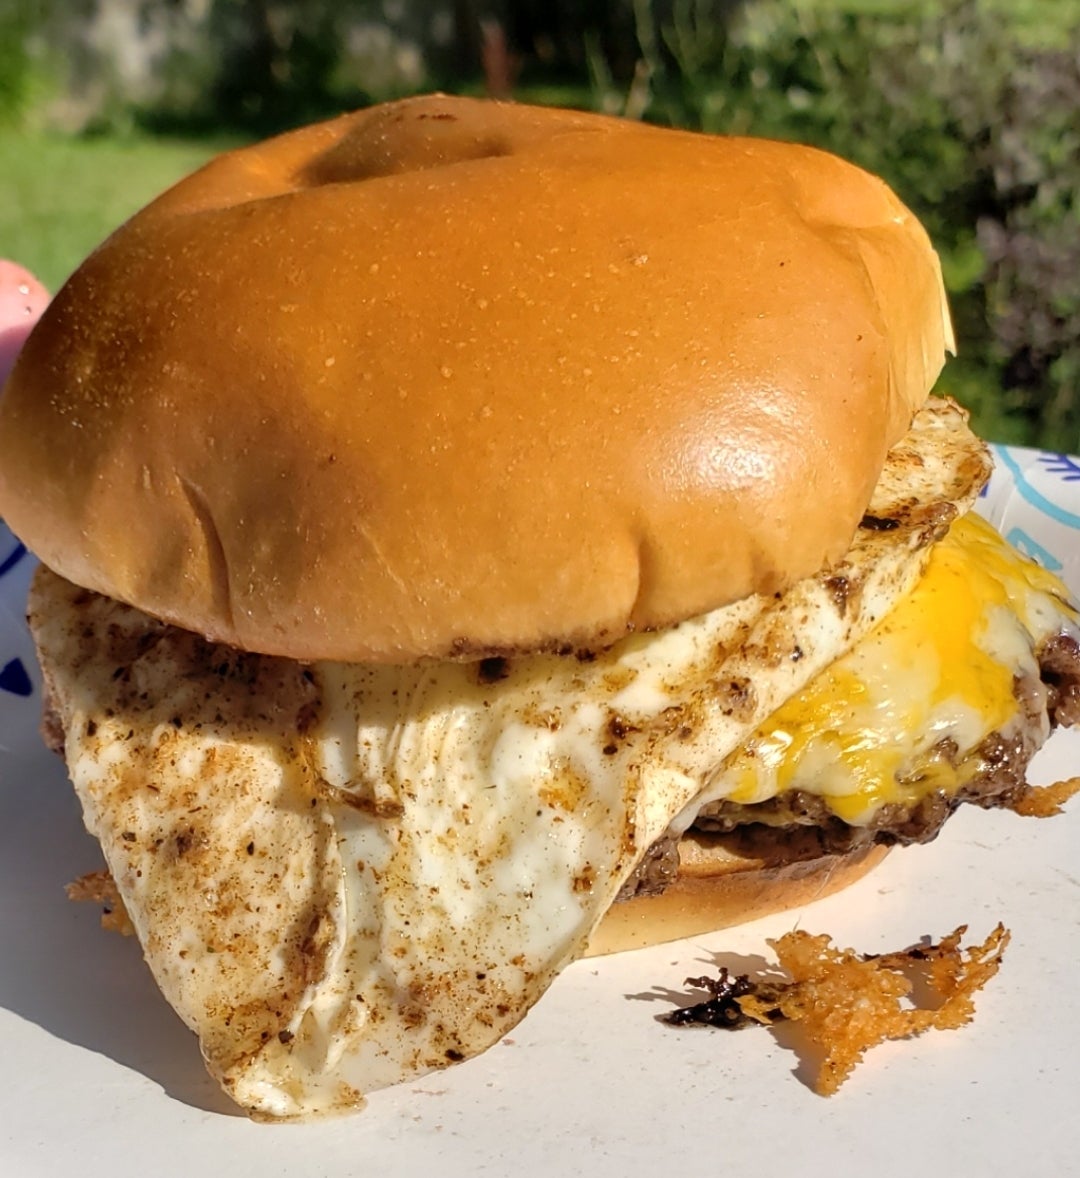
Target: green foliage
[[24, 74], [273, 66], [15, 69]]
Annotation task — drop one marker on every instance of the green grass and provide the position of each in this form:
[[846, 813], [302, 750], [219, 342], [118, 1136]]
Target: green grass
[[60, 196]]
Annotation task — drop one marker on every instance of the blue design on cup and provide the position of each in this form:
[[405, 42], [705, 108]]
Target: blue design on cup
[[12, 558], [1064, 465], [1035, 497], [15, 679]]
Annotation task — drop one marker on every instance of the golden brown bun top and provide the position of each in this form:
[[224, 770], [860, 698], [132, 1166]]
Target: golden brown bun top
[[454, 377]]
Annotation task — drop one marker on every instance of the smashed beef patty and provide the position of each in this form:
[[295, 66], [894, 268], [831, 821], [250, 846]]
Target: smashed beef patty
[[797, 825]]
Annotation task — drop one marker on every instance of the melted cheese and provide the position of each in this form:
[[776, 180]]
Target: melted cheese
[[894, 719]]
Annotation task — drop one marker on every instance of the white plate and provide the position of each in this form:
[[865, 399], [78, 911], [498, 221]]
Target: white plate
[[98, 1078]]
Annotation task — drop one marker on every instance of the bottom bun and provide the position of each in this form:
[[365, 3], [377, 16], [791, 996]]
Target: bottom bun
[[716, 889]]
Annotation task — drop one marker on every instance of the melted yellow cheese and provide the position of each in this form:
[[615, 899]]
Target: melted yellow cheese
[[893, 719]]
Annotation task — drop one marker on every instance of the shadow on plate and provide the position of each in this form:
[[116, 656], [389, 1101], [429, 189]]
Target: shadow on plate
[[59, 969], [789, 1036]]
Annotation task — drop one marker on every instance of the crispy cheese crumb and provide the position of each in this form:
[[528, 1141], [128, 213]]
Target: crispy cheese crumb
[[99, 887], [848, 1002], [1044, 801]]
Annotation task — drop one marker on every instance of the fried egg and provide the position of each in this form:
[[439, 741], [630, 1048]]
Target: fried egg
[[346, 875]]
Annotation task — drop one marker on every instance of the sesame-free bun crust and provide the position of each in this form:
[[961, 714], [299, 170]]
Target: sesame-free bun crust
[[451, 377], [715, 890]]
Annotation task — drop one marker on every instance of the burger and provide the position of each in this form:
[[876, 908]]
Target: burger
[[474, 536]]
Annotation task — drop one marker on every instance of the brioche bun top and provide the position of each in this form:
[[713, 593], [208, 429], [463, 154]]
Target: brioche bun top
[[449, 377]]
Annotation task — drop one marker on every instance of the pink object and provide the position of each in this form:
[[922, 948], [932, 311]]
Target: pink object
[[22, 300]]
